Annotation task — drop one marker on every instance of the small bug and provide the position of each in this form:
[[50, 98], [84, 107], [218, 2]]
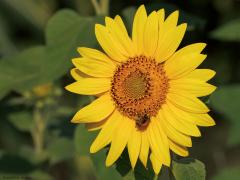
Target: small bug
[[142, 121]]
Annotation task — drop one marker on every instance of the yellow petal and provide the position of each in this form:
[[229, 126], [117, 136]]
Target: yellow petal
[[179, 123], [187, 102], [172, 133], [150, 39], [93, 54], [98, 110], [120, 37], [95, 67], [184, 61], [144, 149], [134, 145], [203, 119], [171, 20], [121, 25], [198, 119], [158, 143], [119, 140], [138, 28], [90, 86], [78, 75], [178, 149], [197, 88], [95, 125], [201, 74], [108, 131], [169, 41], [156, 163], [108, 44], [161, 16]]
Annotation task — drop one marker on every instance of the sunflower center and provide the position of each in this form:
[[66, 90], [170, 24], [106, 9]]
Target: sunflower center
[[135, 85], [139, 87]]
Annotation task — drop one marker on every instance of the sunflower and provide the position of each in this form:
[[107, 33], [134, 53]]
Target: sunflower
[[147, 92]]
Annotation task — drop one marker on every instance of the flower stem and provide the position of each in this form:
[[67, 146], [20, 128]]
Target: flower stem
[[38, 131], [101, 7], [96, 7], [105, 6]]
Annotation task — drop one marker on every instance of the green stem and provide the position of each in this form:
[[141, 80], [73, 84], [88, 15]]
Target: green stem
[[38, 131], [96, 7], [104, 6]]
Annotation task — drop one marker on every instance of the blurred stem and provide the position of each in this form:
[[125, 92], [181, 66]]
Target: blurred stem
[[105, 6], [101, 7], [96, 7], [38, 132]]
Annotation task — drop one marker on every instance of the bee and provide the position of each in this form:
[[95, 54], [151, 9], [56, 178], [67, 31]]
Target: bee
[[142, 121]]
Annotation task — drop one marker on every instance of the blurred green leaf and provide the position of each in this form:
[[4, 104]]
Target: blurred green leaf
[[104, 172], [188, 169], [29, 154], [83, 140], [123, 166], [23, 71], [22, 120], [226, 100], [228, 31], [65, 32], [39, 175], [229, 173], [60, 150], [7, 46]]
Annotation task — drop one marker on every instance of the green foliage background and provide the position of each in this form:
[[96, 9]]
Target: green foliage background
[[38, 38]]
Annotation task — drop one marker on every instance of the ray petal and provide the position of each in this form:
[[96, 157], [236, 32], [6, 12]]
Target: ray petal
[[144, 149], [139, 23], [187, 102], [90, 86], [106, 134], [109, 45], [95, 67], [134, 145], [98, 110], [120, 139], [150, 39]]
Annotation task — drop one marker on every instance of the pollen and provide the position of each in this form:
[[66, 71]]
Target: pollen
[[139, 87]]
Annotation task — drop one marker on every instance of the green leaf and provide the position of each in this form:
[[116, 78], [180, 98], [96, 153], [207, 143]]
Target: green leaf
[[104, 172], [123, 166], [41, 175], [7, 46], [60, 150], [229, 173], [228, 31], [43, 64], [226, 101], [188, 169], [83, 140], [22, 120], [30, 154], [66, 31], [22, 71]]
